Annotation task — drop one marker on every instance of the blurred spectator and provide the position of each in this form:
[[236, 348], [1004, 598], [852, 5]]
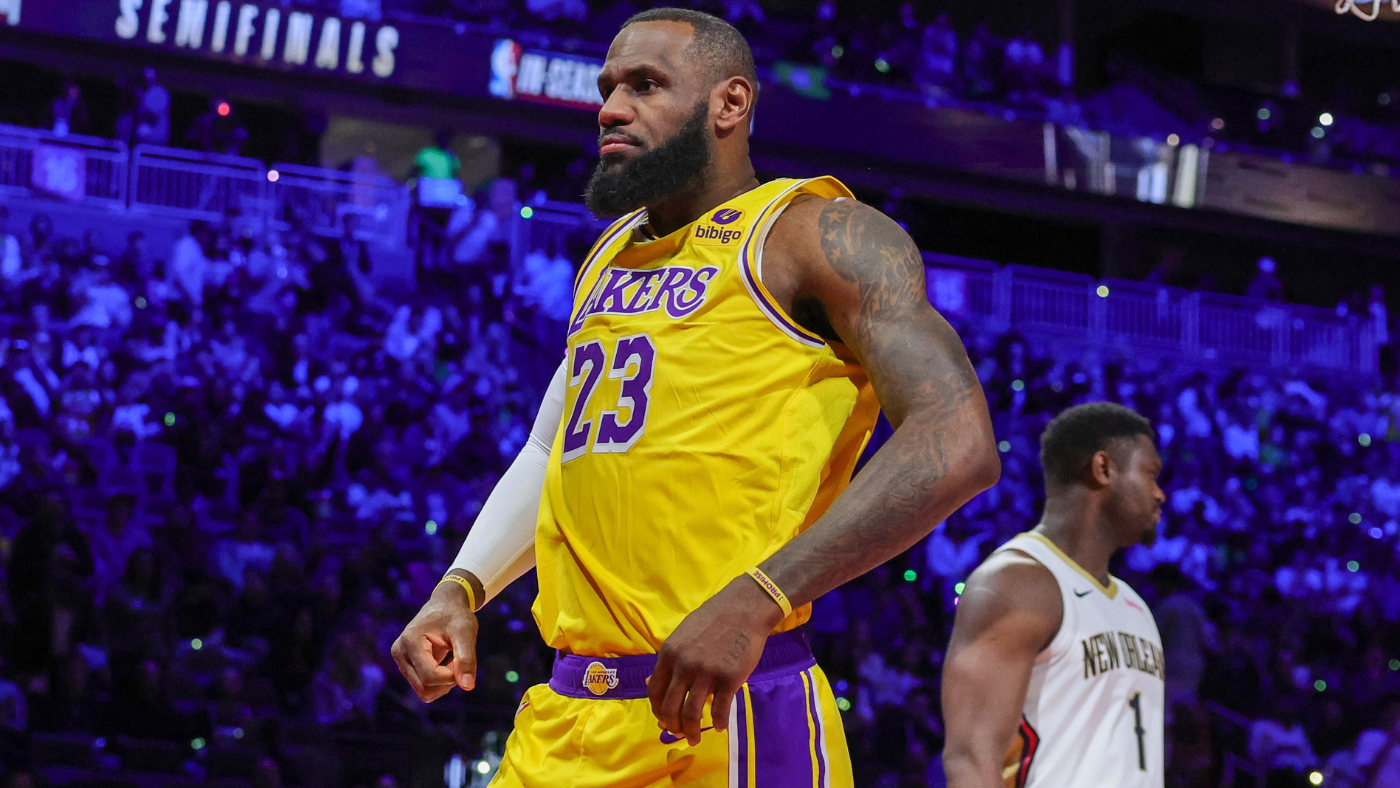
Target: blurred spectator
[[1025, 70], [1281, 744], [1185, 633], [189, 267], [11, 261], [436, 168], [69, 111], [151, 119], [555, 10], [982, 65], [218, 129], [41, 238], [937, 70], [1380, 319], [1266, 284]]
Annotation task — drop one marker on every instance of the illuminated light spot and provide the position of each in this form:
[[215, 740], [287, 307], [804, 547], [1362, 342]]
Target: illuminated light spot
[[1172, 139], [1004, 447], [1376, 533], [1384, 99], [838, 51], [841, 685], [224, 109], [198, 743], [1325, 119], [140, 302], [273, 175], [1102, 291], [483, 767], [237, 733], [1364, 439], [1395, 664], [1018, 385], [843, 704], [527, 212], [1218, 124], [1263, 113], [1317, 132], [430, 527], [512, 676], [1353, 566], [196, 644], [882, 65], [1315, 777], [1320, 685], [1354, 518], [910, 575], [959, 588], [169, 419]]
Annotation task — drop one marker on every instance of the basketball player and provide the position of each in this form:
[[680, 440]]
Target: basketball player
[[1054, 676], [730, 345]]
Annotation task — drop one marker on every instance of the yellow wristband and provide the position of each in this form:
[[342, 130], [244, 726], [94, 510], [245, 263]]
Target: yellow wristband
[[767, 584], [461, 581]]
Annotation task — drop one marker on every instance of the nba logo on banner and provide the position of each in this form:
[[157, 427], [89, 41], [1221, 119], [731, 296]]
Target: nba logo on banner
[[598, 679], [505, 64]]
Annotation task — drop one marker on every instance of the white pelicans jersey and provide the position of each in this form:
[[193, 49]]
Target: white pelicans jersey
[[1096, 704]]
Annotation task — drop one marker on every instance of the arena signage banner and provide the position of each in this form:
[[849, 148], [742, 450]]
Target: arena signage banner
[[544, 77], [257, 30], [261, 33], [271, 35]]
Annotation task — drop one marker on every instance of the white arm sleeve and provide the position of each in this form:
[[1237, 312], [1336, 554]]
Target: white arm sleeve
[[500, 547]]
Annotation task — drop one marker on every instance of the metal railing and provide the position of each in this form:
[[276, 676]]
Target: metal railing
[[322, 200], [89, 169], [1104, 312], [194, 185], [171, 182], [1098, 312]]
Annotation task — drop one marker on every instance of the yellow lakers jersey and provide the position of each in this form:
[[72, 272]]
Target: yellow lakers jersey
[[703, 428]]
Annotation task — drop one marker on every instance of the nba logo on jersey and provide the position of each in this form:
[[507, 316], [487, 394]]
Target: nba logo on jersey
[[716, 231], [598, 679]]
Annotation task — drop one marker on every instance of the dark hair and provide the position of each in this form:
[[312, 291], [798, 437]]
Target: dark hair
[[1072, 438], [715, 41]]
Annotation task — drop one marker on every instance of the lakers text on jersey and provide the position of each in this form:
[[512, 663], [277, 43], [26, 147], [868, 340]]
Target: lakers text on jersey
[[703, 428]]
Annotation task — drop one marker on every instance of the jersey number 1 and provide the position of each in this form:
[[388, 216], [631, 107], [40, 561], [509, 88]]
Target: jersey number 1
[[1136, 703], [633, 362]]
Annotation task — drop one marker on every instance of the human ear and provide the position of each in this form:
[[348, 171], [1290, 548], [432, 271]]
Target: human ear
[[1100, 468], [735, 97]]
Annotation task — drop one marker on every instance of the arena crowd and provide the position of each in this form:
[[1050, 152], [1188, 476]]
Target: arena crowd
[[231, 469]]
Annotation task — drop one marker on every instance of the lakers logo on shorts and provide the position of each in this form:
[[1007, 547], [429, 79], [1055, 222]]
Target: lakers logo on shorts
[[598, 679]]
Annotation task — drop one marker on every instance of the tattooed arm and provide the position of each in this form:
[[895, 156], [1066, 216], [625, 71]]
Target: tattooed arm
[[850, 274], [866, 282]]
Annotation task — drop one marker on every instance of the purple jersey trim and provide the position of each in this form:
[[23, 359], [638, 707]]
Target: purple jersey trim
[[773, 313], [741, 728], [814, 707], [609, 238]]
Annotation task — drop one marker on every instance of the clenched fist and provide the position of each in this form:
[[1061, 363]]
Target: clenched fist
[[444, 626]]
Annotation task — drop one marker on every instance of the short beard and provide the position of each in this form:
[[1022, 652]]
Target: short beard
[[1150, 538], [652, 176]]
